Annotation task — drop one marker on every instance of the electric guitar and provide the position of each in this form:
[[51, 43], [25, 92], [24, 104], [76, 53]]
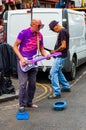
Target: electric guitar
[[31, 63]]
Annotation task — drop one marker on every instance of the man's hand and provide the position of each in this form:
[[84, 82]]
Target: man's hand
[[52, 51], [48, 57], [24, 62]]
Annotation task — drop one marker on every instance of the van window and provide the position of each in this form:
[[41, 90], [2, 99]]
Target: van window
[[76, 27]]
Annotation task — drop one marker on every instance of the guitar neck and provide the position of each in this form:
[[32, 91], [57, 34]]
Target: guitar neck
[[31, 62], [44, 57], [47, 49]]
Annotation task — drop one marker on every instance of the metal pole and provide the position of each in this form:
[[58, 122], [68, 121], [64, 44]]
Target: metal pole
[[31, 10]]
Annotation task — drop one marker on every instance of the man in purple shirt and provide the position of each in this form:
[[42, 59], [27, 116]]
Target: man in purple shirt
[[26, 45]]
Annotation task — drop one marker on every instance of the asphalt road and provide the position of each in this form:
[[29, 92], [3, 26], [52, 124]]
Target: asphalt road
[[45, 117]]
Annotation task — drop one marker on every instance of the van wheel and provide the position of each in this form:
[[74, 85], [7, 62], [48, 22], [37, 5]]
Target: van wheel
[[72, 73]]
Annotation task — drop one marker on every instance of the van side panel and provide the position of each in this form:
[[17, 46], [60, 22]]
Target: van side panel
[[75, 23], [77, 35]]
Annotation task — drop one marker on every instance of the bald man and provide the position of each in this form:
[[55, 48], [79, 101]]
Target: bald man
[[26, 45]]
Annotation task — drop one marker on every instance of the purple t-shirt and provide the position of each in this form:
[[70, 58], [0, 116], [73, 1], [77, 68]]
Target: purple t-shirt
[[28, 46]]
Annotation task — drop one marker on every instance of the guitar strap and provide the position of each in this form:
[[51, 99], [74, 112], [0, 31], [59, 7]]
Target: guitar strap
[[38, 44]]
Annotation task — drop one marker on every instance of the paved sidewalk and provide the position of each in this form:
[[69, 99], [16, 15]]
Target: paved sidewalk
[[7, 97]]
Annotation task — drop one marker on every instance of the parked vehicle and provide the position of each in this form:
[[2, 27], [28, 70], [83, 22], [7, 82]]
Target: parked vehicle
[[74, 21]]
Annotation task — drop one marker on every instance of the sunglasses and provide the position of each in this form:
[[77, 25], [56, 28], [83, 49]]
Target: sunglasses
[[40, 26]]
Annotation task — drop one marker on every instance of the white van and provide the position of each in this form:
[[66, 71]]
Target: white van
[[74, 21]]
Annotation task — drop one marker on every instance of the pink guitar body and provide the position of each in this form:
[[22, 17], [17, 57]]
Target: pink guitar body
[[31, 63]]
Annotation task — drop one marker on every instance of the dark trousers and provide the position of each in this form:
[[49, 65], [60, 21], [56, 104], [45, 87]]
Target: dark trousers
[[27, 85]]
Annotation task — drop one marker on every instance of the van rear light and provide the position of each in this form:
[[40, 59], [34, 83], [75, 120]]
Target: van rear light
[[29, 11]]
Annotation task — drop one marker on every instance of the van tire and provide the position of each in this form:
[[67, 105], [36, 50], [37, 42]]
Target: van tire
[[72, 73]]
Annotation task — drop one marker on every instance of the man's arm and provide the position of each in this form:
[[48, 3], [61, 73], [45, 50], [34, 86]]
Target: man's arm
[[62, 47], [16, 50], [43, 52]]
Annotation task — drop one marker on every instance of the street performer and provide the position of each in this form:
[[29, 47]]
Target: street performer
[[28, 42]]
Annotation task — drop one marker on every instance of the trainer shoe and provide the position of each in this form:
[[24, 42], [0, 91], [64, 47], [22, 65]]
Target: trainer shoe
[[65, 90], [22, 109], [54, 96], [33, 106]]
